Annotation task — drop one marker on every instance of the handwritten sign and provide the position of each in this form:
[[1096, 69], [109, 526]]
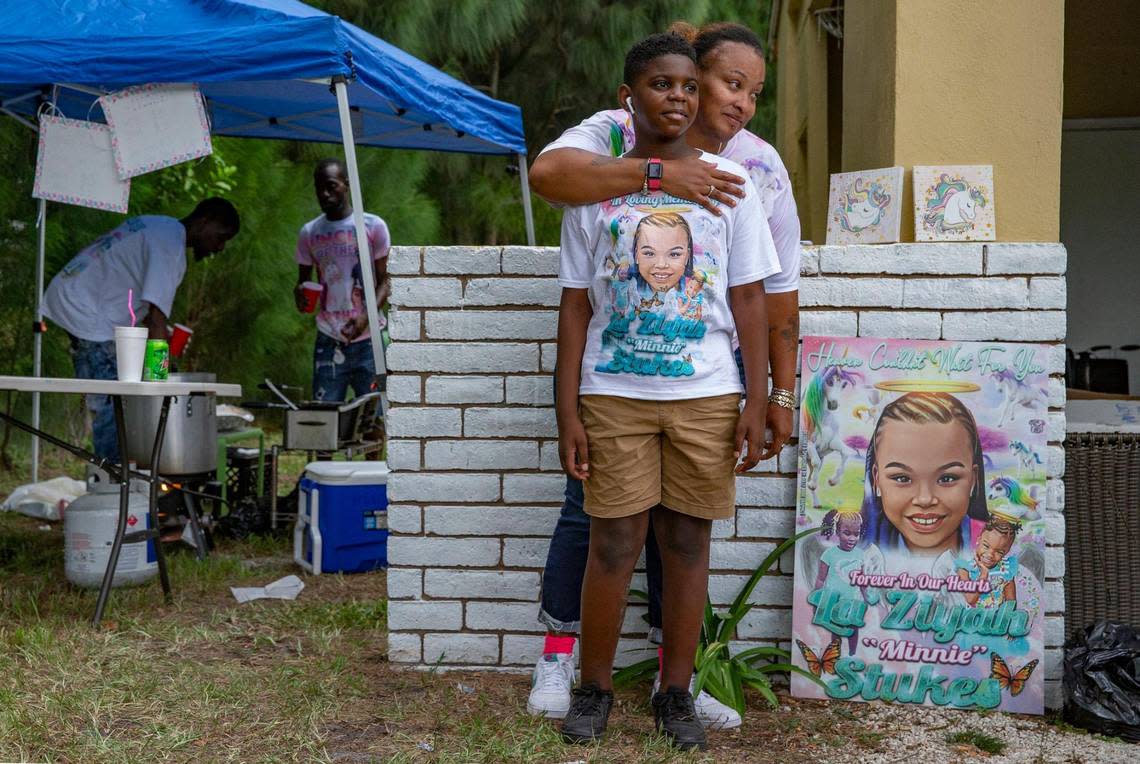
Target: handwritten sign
[[155, 126], [923, 466], [75, 165]]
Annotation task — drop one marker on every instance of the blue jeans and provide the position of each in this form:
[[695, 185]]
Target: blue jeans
[[337, 365], [566, 568], [96, 360]]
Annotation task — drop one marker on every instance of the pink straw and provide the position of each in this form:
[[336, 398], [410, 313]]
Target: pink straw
[[131, 306]]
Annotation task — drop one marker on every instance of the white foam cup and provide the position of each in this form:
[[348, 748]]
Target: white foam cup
[[130, 351]]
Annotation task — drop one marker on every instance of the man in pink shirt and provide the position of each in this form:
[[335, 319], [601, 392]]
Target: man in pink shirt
[[343, 356]]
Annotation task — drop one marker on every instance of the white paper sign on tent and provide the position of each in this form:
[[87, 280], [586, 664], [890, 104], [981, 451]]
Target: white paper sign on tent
[[75, 165], [155, 126]]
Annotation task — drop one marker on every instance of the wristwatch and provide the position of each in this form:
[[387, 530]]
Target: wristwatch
[[782, 398], [653, 173]]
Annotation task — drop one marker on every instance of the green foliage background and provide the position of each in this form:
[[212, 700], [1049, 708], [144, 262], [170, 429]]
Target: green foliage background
[[558, 60]]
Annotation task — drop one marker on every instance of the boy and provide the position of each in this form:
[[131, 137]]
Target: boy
[[648, 399]]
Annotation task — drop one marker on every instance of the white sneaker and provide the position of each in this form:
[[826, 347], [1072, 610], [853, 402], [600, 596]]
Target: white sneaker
[[711, 713], [550, 686]]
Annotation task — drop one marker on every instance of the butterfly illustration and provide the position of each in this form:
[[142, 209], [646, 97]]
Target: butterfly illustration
[[824, 664], [1015, 683], [687, 358], [649, 302]]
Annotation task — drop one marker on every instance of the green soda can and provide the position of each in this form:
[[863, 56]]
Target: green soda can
[[156, 363]]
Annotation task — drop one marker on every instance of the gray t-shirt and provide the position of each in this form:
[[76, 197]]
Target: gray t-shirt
[[147, 255]]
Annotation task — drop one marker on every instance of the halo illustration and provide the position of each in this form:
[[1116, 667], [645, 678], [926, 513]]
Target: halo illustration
[[927, 386]]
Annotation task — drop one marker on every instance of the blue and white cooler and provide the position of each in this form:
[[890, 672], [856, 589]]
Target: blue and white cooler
[[342, 518]]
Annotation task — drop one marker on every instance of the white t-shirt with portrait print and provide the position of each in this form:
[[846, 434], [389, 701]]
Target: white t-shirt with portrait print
[[662, 325], [611, 132]]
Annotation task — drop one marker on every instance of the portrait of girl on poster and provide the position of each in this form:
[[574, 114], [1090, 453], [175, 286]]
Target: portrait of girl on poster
[[920, 468]]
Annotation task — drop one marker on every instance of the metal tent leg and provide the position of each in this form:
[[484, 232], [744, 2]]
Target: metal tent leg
[[528, 212]]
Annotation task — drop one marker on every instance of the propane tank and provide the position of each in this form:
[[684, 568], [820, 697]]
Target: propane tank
[[89, 531]]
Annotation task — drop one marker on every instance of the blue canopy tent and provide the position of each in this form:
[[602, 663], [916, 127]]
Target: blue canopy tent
[[267, 69]]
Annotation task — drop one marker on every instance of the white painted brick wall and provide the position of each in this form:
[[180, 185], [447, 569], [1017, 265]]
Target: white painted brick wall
[[834, 323], [461, 260], [404, 261], [423, 422], [476, 485], [1002, 258], [478, 584], [504, 422], [512, 291], [531, 390], [857, 293], [490, 521], [464, 389], [906, 259], [975, 293], [904, 324], [429, 551], [462, 357], [491, 324], [426, 486], [481, 454], [413, 292], [404, 388], [531, 261], [1011, 326], [461, 649], [419, 615]]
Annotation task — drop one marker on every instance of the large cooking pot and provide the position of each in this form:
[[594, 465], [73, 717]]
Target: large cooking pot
[[190, 446]]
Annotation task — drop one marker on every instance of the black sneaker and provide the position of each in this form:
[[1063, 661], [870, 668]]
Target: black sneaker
[[589, 713], [674, 715]]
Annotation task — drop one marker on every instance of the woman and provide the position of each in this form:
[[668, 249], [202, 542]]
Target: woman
[[570, 171]]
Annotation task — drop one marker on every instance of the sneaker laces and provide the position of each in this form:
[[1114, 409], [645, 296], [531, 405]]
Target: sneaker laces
[[549, 676], [587, 701], [679, 705]]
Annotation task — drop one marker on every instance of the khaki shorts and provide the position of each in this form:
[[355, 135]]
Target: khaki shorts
[[675, 453]]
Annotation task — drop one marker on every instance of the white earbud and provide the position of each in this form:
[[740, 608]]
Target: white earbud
[[629, 104]]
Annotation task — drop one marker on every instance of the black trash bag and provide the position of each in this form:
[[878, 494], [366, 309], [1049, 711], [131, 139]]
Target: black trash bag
[[1102, 680]]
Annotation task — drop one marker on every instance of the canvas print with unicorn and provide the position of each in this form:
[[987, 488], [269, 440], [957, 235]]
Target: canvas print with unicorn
[[954, 203], [922, 473], [865, 207]]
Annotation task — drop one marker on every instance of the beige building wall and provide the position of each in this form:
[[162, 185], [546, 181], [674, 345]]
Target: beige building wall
[[801, 121], [931, 82]]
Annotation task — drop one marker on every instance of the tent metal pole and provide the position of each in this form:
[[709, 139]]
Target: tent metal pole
[[366, 275], [38, 338], [528, 213]]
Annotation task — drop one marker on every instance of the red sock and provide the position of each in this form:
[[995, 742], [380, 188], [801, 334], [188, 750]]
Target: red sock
[[559, 645], [660, 660]]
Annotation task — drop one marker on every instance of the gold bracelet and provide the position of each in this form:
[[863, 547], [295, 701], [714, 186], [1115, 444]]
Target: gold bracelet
[[782, 398]]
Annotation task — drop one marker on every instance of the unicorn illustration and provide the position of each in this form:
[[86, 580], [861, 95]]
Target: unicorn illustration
[[1008, 489], [823, 438], [953, 206], [862, 207], [1026, 456], [1017, 393]]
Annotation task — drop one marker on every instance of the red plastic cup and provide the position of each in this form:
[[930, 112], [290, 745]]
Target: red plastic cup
[[179, 338], [312, 292]]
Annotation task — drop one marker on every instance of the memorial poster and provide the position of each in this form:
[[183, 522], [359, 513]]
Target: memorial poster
[[922, 464]]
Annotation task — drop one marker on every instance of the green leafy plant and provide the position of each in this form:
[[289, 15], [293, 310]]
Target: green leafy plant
[[721, 673]]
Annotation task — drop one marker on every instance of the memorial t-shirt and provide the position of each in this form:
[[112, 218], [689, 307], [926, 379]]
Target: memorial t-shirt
[[611, 132], [331, 246], [658, 270], [145, 255]]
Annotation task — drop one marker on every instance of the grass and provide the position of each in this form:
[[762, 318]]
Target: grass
[[204, 679], [980, 740]]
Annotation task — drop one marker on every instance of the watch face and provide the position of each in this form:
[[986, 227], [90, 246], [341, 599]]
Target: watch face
[[654, 171]]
